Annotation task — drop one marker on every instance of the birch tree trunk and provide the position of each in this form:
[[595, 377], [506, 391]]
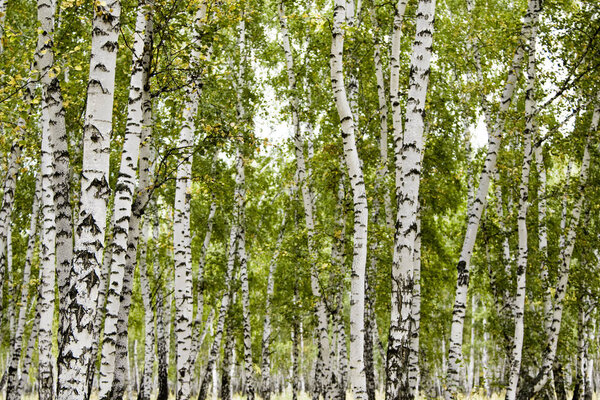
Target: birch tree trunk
[[74, 354], [140, 201], [357, 292], [120, 279], [181, 227], [409, 158], [13, 391], [479, 203], [53, 102], [47, 267], [323, 365], [519, 301], [266, 336]]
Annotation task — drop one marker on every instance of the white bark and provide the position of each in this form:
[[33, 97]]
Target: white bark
[[124, 192], [476, 209], [409, 151], [357, 291], [181, 227], [75, 355], [519, 300], [47, 267]]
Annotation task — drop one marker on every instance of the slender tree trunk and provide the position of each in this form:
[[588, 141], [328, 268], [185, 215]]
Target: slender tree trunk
[[47, 266], [52, 96], [357, 291], [266, 336], [519, 301], [120, 273], [181, 237], [409, 151], [13, 391], [479, 203], [75, 358]]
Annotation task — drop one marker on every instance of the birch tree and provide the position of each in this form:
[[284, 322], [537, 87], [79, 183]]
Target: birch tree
[[519, 302], [402, 324], [74, 355]]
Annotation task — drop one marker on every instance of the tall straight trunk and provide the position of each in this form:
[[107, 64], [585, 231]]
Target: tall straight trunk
[[566, 252], [140, 201], [74, 354], [266, 336], [53, 101], [181, 227], [241, 208], [47, 266], [361, 213], [479, 203], [13, 391], [323, 366], [519, 300], [119, 278], [409, 156]]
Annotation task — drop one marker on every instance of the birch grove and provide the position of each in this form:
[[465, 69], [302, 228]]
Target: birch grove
[[274, 200]]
